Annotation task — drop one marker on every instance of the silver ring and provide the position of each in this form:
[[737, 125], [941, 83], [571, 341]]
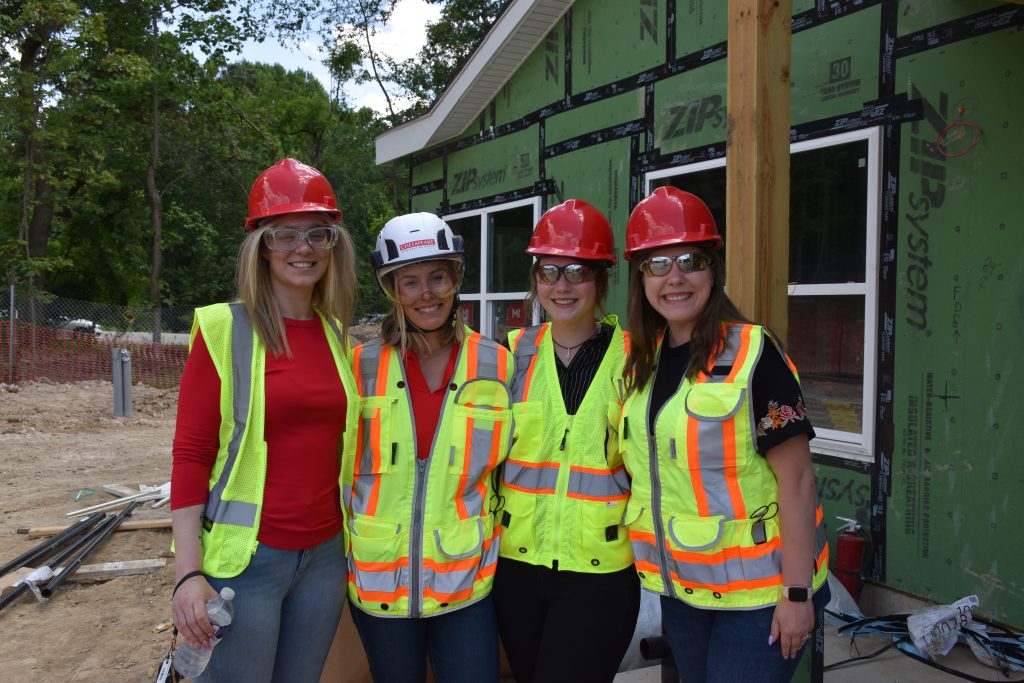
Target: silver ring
[[806, 637]]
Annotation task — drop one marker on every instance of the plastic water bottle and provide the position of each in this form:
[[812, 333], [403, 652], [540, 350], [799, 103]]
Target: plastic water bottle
[[191, 660]]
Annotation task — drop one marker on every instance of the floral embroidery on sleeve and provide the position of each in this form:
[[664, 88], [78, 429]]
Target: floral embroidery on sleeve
[[781, 415]]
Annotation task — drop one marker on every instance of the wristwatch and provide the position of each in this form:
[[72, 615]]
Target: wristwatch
[[796, 593]]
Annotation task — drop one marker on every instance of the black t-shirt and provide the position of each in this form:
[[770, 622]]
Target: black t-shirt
[[776, 397]]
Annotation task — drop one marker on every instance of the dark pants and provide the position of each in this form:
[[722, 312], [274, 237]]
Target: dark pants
[[462, 645], [725, 646], [564, 626]]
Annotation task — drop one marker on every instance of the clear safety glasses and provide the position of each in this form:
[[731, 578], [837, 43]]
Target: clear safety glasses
[[319, 237], [574, 273], [659, 266], [412, 286]]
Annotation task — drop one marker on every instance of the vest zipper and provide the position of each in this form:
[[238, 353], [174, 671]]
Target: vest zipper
[[653, 459], [561, 489], [416, 540]]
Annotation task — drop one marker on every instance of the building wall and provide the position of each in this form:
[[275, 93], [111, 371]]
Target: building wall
[[623, 88]]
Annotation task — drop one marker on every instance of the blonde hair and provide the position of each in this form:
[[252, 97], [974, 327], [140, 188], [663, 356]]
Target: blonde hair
[[334, 295], [394, 331]]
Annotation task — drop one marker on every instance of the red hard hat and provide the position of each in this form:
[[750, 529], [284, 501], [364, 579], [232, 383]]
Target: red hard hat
[[575, 229], [290, 186], [670, 216]]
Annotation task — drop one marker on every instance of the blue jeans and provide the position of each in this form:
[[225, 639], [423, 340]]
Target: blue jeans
[[727, 646], [462, 645], [287, 607]]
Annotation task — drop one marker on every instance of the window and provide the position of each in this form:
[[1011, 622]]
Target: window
[[497, 266], [833, 272]]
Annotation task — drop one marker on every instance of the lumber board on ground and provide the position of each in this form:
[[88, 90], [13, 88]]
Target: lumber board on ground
[[92, 572], [132, 525]]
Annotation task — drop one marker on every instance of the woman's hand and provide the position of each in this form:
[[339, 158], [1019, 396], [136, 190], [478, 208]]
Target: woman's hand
[[189, 608], [790, 623]]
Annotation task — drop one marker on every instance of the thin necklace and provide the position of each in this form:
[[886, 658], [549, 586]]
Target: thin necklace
[[570, 350]]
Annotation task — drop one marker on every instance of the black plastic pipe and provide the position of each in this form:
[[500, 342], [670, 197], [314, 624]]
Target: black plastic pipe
[[73, 566], [50, 545], [55, 561], [657, 647]]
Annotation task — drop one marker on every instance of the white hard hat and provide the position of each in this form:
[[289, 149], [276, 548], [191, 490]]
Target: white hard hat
[[411, 238]]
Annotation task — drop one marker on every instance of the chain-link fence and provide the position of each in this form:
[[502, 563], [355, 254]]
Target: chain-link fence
[[65, 340]]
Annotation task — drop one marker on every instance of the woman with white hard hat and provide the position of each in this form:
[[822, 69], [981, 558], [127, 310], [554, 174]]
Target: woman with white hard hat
[[435, 415]]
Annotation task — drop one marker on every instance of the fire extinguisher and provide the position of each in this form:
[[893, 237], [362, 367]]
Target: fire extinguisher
[[851, 541]]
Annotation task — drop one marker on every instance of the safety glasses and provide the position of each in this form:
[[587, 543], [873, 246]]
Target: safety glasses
[[319, 237], [412, 286], [659, 266], [575, 273]]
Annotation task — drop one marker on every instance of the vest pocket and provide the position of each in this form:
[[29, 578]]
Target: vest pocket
[[605, 537], [527, 431], [377, 560], [479, 432], [693, 533], [461, 540], [378, 450], [708, 435]]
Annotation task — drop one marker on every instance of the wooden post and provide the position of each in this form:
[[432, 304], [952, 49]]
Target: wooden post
[[757, 159]]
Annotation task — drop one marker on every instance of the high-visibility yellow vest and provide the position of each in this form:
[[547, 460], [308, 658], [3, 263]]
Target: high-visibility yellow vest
[[231, 518], [564, 485], [421, 532], [703, 514]]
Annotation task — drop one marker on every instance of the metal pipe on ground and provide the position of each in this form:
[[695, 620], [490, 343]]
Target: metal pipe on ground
[[56, 560], [73, 566], [50, 545]]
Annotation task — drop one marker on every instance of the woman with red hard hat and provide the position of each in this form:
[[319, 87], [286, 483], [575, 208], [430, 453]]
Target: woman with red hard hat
[[723, 515], [566, 592], [267, 411], [420, 491]]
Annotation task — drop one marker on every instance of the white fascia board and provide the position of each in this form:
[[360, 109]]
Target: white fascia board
[[518, 31]]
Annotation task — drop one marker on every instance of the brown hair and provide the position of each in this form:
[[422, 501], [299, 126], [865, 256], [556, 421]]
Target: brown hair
[[645, 323], [334, 294], [600, 269], [394, 330]]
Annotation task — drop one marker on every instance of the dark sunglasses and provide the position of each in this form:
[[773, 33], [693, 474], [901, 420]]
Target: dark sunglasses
[[658, 266], [574, 273]]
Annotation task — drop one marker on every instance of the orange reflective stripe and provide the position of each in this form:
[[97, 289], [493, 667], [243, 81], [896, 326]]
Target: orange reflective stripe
[[467, 453], [644, 566], [729, 457], [382, 369], [595, 470], [381, 596], [731, 586], [741, 353], [458, 596], [523, 489], [471, 349], [599, 499], [381, 566], [693, 460], [818, 515], [729, 553], [823, 557], [452, 566], [644, 536], [533, 465]]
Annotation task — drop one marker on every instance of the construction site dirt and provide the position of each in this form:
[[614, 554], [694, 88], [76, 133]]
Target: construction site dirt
[[56, 440]]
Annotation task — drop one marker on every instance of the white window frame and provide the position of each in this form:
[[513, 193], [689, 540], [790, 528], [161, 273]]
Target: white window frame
[[831, 441], [485, 298]]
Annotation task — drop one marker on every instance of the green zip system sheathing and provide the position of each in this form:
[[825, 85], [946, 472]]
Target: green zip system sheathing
[[620, 88]]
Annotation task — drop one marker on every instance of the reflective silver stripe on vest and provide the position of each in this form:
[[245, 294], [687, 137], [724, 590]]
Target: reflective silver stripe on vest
[[218, 510], [537, 479], [719, 575], [486, 360], [526, 349], [369, 359], [610, 485], [726, 359], [387, 580]]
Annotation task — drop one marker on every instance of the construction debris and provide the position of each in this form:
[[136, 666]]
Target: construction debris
[[37, 532]]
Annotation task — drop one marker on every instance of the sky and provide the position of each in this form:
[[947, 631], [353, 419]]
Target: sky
[[401, 39]]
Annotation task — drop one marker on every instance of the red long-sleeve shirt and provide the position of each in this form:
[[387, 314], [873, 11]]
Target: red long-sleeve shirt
[[304, 418]]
